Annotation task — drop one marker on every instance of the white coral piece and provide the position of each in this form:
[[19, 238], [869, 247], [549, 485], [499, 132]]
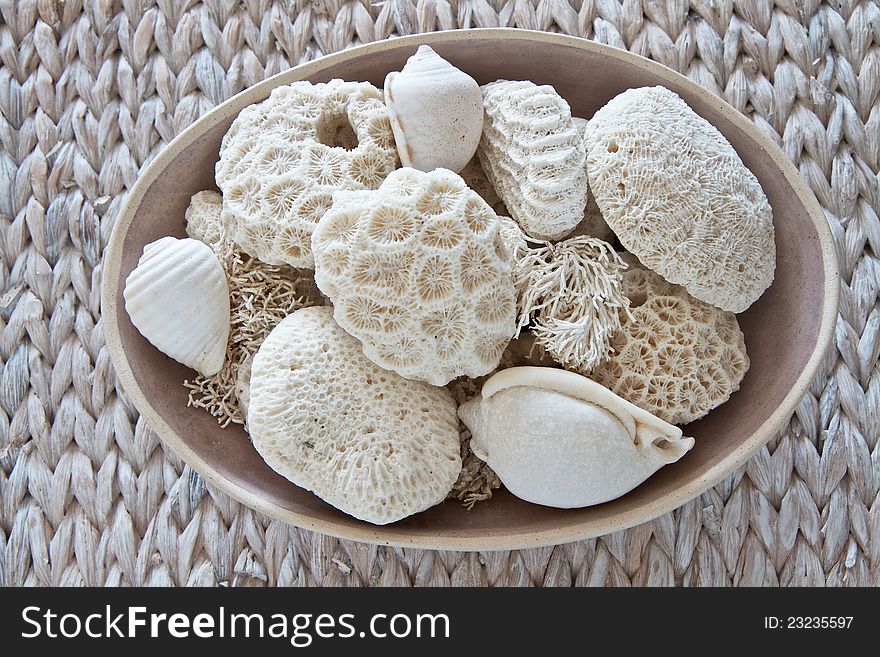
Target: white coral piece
[[283, 158], [203, 218], [367, 441], [677, 357], [534, 157], [571, 292], [419, 272], [678, 196]]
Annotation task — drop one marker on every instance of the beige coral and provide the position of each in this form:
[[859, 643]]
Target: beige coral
[[203, 217], [419, 272], [677, 357], [534, 157], [283, 158], [678, 196]]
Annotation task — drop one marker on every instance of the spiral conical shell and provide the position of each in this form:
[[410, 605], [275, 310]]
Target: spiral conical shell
[[436, 113]]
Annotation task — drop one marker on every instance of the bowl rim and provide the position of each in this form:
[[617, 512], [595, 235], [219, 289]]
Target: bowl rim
[[392, 535]]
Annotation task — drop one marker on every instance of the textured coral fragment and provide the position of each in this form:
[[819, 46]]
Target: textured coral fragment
[[419, 272], [533, 156], [678, 196], [677, 357], [283, 158]]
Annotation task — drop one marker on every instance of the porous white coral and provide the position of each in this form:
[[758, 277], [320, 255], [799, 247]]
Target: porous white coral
[[677, 357], [534, 157], [419, 272], [571, 294], [283, 158], [369, 442], [678, 196], [203, 218]]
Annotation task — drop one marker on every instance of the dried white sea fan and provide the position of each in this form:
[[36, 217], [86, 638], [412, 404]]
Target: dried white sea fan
[[571, 292], [366, 440], [283, 158], [678, 196], [676, 357], [534, 157], [419, 272]]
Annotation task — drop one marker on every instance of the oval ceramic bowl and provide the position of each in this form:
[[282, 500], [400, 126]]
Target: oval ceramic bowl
[[787, 331]]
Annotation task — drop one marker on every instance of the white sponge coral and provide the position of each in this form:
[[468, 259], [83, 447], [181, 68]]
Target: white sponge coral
[[283, 158], [678, 196], [420, 273], [534, 156], [677, 357], [363, 439]]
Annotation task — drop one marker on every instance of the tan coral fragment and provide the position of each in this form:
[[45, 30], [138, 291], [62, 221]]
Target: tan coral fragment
[[678, 357]]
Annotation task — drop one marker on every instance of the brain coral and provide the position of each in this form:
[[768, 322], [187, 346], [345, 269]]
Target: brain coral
[[678, 357], [420, 273], [533, 155], [677, 195], [365, 440], [283, 158]]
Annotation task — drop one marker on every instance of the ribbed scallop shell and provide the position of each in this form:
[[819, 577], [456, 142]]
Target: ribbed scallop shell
[[178, 298]]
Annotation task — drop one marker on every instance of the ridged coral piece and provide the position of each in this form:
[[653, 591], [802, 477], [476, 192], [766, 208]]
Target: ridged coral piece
[[419, 272], [678, 196], [178, 299], [283, 158], [678, 357], [367, 441], [534, 157]]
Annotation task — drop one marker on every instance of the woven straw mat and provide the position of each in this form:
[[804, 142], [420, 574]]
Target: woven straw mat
[[91, 91]]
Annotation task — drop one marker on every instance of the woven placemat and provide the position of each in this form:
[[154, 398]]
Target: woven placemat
[[91, 91]]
